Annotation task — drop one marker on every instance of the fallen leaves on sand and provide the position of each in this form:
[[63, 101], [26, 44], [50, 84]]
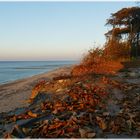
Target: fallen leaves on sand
[[81, 114], [39, 87]]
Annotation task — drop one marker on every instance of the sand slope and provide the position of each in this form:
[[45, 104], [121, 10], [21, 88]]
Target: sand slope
[[14, 95]]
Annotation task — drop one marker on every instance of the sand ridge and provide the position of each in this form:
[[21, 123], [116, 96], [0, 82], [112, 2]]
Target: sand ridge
[[14, 94]]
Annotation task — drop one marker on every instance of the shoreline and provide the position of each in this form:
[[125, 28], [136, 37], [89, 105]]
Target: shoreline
[[31, 75], [102, 101], [15, 93]]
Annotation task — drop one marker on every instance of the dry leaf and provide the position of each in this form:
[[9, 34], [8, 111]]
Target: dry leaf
[[91, 135], [101, 123], [55, 111], [34, 94], [7, 136], [82, 132], [33, 115], [14, 118], [55, 126]]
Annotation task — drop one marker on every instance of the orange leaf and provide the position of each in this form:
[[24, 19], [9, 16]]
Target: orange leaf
[[33, 115], [101, 123]]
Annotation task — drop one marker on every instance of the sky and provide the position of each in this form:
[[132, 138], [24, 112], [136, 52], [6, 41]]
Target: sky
[[53, 30]]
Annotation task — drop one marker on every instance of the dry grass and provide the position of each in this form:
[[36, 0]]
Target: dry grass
[[103, 61], [116, 50], [104, 67]]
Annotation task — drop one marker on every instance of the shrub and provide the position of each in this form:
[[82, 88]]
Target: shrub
[[116, 50], [99, 61]]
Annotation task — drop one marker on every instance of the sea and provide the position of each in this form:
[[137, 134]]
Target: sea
[[15, 70]]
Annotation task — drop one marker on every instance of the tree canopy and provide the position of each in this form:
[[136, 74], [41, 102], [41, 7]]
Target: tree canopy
[[126, 28]]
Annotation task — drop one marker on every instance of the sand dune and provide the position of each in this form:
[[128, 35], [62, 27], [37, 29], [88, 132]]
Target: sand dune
[[14, 95]]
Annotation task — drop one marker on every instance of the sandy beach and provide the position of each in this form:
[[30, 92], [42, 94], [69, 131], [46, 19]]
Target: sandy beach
[[100, 105], [15, 94]]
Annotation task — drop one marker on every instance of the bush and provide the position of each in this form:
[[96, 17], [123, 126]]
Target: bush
[[99, 61], [116, 50]]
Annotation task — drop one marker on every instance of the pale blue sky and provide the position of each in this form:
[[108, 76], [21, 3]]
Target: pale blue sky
[[53, 30]]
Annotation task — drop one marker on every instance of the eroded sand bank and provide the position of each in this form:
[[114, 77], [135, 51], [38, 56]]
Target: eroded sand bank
[[14, 95]]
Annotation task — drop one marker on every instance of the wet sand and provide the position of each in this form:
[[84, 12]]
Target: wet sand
[[15, 94]]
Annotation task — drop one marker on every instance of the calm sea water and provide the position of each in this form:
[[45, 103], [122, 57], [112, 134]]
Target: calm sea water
[[14, 70]]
